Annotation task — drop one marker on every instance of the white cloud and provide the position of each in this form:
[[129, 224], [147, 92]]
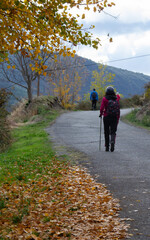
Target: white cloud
[[128, 11], [133, 11], [130, 32], [123, 46]]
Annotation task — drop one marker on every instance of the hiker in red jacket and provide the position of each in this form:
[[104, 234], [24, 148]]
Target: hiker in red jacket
[[110, 109], [118, 96]]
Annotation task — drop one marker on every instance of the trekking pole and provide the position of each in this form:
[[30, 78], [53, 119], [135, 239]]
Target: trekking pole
[[100, 133]]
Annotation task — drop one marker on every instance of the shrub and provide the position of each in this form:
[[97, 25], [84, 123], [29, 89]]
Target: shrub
[[84, 105], [134, 101], [146, 121], [139, 117], [147, 91], [69, 106]]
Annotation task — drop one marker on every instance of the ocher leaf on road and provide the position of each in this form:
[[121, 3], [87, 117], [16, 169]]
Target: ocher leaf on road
[[66, 204]]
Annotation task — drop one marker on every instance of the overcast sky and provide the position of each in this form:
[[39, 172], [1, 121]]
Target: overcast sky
[[130, 31]]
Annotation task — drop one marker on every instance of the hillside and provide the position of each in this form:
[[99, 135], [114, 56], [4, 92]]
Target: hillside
[[17, 91], [129, 83], [126, 82]]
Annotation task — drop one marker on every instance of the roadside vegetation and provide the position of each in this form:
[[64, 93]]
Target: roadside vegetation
[[134, 101], [140, 116], [135, 118], [43, 196]]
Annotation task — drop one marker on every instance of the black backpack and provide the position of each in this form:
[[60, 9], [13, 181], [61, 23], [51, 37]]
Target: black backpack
[[113, 108], [94, 95]]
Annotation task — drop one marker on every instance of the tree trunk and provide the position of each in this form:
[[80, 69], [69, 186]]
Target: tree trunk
[[73, 97], [38, 86], [29, 91]]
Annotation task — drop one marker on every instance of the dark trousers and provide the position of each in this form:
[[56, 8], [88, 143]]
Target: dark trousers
[[94, 104], [110, 128]]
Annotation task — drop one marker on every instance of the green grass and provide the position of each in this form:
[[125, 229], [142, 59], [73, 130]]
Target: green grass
[[131, 118], [29, 154]]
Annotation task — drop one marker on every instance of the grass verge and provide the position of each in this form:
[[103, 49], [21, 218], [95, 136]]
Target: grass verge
[[29, 154], [131, 118], [43, 197]]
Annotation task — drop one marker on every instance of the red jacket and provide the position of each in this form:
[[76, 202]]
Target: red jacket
[[103, 107], [118, 97]]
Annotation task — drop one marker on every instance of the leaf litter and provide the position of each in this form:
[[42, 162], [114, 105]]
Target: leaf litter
[[66, 203]]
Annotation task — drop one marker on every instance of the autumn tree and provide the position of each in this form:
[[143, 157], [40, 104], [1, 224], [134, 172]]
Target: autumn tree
[[23, 71], [147, 91], [102, 78], [67, 75], [32, 25]]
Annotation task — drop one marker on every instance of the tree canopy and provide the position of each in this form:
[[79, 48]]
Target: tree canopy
[[47, 24]]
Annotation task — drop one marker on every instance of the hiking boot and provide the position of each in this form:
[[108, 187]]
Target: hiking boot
[[112, 147], [107, 149]]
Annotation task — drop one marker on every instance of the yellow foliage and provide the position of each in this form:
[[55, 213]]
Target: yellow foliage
[[72, 54], [83, 16], [44, 74], [39, 57], [35, 25], [44, 67], [102, 79], [94, 9], [111, 40], [147, 91], [67, 83]]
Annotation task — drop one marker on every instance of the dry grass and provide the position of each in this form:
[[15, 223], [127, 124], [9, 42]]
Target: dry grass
[[34, 111]]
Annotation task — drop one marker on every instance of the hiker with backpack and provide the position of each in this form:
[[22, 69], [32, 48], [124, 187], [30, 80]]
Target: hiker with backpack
[[110, 109], [94, 98]]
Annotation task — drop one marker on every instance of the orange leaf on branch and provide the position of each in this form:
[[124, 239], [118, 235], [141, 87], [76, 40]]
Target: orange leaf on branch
[[33, 24]]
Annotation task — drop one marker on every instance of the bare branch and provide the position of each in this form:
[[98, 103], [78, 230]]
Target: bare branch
[[8, 79]]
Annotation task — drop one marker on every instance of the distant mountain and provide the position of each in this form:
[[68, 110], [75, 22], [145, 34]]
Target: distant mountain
[[18, 92], [126, 82], [129, 83]]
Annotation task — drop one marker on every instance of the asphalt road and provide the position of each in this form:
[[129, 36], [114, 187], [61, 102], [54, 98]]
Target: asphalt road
[[125, 172]]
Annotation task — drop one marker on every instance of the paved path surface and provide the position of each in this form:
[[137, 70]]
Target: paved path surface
[[126, 172]]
